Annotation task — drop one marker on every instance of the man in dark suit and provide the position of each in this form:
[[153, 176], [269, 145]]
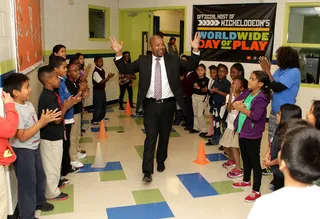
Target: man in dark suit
[[159, 90]]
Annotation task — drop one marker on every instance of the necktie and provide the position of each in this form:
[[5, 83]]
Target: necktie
[[157, 81]]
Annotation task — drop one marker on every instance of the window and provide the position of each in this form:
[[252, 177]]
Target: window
[[98, 23], [302, 33]]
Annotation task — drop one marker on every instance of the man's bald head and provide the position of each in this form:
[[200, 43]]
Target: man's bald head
[[154, 37], [157, 46]]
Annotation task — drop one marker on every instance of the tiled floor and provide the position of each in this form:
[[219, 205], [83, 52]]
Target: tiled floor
[[184, 190]]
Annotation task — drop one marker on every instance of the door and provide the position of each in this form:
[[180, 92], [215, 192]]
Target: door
[[133, 26]]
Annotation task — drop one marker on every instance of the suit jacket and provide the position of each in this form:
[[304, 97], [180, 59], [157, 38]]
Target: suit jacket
[[174, 66]]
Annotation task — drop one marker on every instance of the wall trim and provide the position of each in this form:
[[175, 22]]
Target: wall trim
[[83, 51], [7, 66]]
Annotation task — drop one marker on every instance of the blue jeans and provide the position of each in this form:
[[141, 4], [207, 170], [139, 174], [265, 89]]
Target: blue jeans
[[31, 181]]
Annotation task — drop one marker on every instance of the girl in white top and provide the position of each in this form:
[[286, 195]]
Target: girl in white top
[[299, 160], [230, 138]]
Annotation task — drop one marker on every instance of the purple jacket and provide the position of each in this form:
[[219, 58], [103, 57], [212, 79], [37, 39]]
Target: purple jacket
[[254, 125]]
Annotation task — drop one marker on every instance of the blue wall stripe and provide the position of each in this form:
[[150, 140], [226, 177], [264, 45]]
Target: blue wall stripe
[[91, 56], [5, 75]]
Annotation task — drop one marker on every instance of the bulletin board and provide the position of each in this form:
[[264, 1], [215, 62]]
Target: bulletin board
[[28, 34]]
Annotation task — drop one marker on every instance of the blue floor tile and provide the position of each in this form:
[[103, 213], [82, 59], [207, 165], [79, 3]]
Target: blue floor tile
[[197, 185], [145, 211], [113, 166], [95, 129], [109, 167], [216, 157]]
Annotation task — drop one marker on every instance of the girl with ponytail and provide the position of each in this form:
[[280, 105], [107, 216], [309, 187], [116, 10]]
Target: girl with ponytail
[[250, 124]]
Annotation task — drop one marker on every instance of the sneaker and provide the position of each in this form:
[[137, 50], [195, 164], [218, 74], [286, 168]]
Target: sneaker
[[266, 171], [81, 155], [76, 164], [241, 184], [235, 173], [203, 134], [252, 197], [63, 182], [61, 197], [94, 123], [229, 164], [45, 207], [74, 170], [209, 143], [121, 108]]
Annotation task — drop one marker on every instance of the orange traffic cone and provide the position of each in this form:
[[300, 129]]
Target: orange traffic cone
[[201, 159], [128, 109], [102, 133]]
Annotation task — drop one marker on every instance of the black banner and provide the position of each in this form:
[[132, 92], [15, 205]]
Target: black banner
[[235, 32]]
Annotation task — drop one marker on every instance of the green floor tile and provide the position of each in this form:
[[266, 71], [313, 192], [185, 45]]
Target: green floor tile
[[124, 116], [139, 121], [225, 187], [139, 149], [86, 140], [174, 134], [112, 175], [147, 196], [115, 128], [61, 207], [88, 160]]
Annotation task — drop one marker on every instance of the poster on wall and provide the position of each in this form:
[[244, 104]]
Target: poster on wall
[[28, 34], [235, 32]]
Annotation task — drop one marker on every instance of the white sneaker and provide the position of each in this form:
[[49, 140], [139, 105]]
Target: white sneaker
[[76, 164], [81, 155]]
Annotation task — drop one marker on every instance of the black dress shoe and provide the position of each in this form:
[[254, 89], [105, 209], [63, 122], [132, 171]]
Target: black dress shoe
[[161, 167], [147, 177], [209, 143], [184, 124], [203, 134], [45, 207], [193, 131]]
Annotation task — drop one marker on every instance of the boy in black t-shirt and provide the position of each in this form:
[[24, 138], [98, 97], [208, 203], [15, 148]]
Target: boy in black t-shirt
[[73, 86], [52, 135], [219, 91]]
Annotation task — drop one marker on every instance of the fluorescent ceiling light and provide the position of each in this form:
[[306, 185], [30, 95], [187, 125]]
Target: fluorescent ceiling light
[[317, 9]]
